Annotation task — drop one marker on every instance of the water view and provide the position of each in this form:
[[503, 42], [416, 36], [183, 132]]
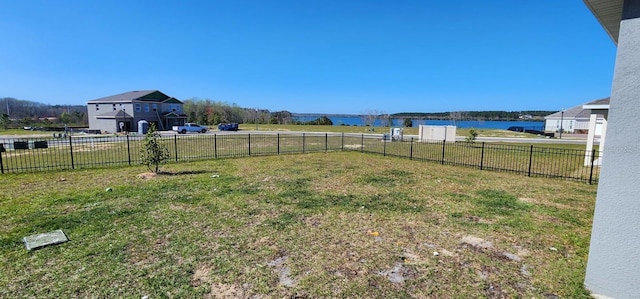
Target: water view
[[479, 124]]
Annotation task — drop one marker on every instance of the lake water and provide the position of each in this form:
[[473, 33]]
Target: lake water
[[478, 124]]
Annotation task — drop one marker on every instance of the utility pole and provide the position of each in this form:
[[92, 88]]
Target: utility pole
[[561, 122]]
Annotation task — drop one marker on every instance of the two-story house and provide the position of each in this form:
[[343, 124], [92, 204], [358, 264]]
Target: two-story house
[[122, 112]]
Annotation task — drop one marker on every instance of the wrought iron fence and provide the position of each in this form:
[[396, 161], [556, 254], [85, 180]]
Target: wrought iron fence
[[77, 152]]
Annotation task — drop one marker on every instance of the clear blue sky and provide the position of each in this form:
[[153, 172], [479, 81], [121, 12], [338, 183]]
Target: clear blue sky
[[325, 56]]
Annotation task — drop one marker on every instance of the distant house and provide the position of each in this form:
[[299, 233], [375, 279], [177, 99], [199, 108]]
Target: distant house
[[122, 112], [575, 119]]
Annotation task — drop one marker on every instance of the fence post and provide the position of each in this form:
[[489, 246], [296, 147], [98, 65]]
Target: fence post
[[215, 146], [175, 145], [73, 165], [303, 143], [530, 159], [444, 142], [384, 146], [326, 142], [593, 158], [249, 135], [1, 164], [128, 150], [362, 144], [482, 157], [411, 149], [278, 143], [342, 142]]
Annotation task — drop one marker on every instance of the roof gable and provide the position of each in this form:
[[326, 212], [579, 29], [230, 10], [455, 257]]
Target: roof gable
[[172, 100], [136, 95], [115, 114], [155, 96]]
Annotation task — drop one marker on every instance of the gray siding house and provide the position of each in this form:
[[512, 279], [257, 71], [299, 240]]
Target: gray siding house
[[122, 112]]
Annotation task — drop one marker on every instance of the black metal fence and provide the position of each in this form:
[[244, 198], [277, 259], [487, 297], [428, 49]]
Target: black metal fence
[[76, 152]]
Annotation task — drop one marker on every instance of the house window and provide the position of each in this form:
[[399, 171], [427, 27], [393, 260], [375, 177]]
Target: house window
[[146, 107], [97, 107], [138, 107], [174, 107], [154, 107]]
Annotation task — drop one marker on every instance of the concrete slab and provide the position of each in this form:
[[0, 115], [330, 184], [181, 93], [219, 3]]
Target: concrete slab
[[51, 238]]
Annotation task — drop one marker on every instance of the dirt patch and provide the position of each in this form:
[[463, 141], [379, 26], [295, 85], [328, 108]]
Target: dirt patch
[[476, 242], [201, 275], [147, 175], [284, 272], [353, 146], [224, 291], [313, 221], [527, 200], [140, 257], [398, 274]]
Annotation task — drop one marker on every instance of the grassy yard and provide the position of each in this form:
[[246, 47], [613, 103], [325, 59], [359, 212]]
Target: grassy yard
[[311, 225], [376, 130]]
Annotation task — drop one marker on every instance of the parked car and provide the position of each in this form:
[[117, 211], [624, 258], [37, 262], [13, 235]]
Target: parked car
[[228, 127], [189, 127]]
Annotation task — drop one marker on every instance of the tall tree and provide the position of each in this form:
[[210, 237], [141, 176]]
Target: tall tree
[[4, 120]]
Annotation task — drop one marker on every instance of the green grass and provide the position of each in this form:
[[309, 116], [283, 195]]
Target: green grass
[[335, 224]]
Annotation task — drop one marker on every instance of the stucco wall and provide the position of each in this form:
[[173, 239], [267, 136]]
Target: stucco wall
[[613, 269], [103, 124]]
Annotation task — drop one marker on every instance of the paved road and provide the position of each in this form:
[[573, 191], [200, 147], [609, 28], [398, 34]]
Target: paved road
[[569, 140]]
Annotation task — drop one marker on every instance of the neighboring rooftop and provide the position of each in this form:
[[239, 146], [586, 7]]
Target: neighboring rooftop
[[141, 95], [581, 111]]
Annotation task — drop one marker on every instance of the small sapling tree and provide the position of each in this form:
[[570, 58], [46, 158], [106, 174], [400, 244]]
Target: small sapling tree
[[153, 153], [471, 136]]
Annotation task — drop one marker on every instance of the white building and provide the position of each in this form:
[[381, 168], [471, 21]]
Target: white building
[[575, 119]]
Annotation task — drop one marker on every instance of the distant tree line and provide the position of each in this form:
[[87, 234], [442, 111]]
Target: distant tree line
[[209, 112], [477, 115], [18, 113]]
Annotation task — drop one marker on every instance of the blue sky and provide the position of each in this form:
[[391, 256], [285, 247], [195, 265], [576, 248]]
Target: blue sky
[[342, 56]]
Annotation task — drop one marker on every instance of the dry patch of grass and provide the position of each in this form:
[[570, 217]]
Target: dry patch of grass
[[313, 225]]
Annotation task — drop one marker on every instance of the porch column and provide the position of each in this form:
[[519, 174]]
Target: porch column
[[602, 138], [613, 268], [590, 138]]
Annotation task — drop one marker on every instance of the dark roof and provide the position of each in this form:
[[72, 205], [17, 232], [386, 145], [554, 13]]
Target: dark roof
[[569, 113], [136, 95], [578, 111], [115, 114], [604, 101], [173, 113], [172, 100]]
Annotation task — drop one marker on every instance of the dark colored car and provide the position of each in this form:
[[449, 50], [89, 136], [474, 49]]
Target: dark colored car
[[516, 129]]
